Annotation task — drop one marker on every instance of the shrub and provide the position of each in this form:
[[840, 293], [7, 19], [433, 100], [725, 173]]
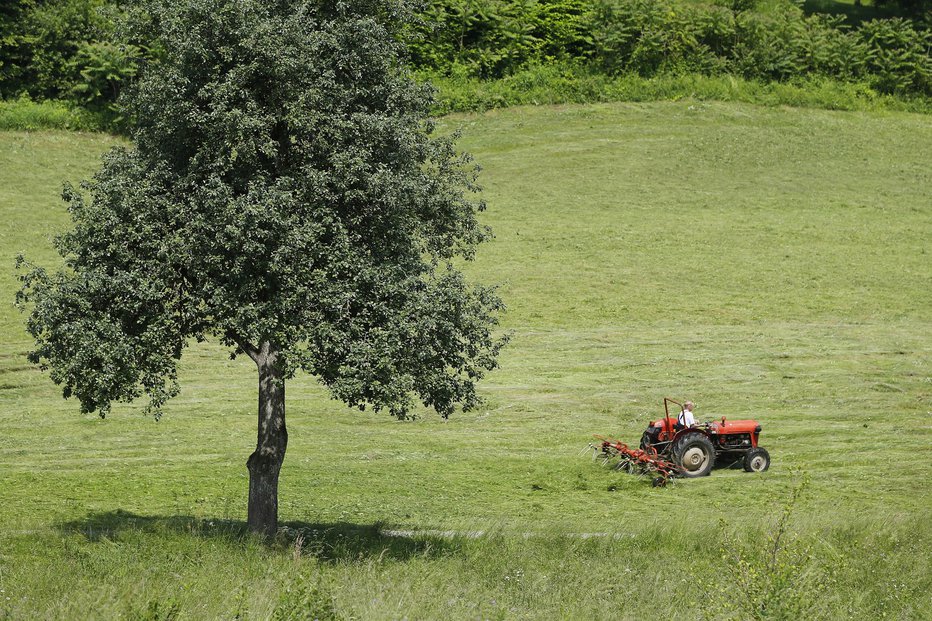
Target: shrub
[[898, 58], [13, 41], [104, 69], [562, 28], [493, 38], [306, 598], [649, 37], [769, 45], [561, 83], [919, 9], [52, 33], [65, 49], [830, 50], [71, 49], [773, 578]]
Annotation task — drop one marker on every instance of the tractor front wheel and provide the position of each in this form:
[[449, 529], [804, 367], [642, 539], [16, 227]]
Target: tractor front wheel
[[695, 454], [756, 460]]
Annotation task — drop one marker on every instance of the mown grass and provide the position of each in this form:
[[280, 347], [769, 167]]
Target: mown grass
[[768, 263]]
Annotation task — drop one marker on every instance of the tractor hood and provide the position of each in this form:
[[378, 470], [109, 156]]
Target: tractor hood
[[736, 426]]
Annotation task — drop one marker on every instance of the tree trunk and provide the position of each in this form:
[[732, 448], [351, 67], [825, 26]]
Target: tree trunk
[[266, 462]]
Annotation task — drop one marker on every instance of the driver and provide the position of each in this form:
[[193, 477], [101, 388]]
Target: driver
[[686, 418]]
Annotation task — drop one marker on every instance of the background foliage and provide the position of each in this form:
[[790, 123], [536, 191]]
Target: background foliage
[[80, 50], [490, 38]]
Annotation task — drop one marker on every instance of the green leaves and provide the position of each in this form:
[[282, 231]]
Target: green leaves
[[650, 37], [100, 354], [284, 188], [493, 38], [898, 55], [87, 50], [104, 68]]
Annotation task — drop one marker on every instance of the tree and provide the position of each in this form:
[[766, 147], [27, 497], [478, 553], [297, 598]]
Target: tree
[[13, 40], [40, 38], [285, 194]]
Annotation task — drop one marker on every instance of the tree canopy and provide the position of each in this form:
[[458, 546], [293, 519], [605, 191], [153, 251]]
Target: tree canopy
[[285, 194], [283, 186]]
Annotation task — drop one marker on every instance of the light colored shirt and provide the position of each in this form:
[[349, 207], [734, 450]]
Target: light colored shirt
[[686, 418]]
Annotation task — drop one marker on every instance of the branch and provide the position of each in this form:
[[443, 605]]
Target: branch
[[251, 350]]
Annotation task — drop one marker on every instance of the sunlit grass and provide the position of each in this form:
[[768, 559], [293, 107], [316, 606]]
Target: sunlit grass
[[766, 263]]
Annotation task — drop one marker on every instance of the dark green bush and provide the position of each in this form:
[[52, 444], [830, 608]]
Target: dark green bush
[[493, 38], [649, 37], [918, 9], [562, 27], [13, 41], [51, 34], [898, 57], [66, 50], [769, 45], [652, 37], [74, 50], [831, 50], [104, 68]]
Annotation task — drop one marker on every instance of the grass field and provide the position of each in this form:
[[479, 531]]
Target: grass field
[[768, 263]]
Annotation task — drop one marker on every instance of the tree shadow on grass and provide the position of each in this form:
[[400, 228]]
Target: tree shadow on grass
[[328, 542]]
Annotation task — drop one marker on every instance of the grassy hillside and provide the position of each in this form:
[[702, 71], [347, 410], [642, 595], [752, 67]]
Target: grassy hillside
[[766, 263]]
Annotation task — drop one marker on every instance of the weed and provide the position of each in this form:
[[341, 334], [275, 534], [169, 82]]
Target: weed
[[776, 580], [305, 599]]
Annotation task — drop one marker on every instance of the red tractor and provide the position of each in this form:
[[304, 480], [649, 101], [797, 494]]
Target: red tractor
[[695, 449]]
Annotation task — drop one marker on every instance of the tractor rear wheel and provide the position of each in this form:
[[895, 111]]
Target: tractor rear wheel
[[695, 454], [756, 460]]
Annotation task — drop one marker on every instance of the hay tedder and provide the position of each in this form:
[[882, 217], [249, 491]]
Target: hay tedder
[[669, 449]]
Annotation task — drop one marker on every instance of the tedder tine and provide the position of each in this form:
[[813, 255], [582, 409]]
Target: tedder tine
[[635, 461]]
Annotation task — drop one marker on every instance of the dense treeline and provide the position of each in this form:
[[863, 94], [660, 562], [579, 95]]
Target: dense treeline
[[493, 38], [65, 49], [77, 51]]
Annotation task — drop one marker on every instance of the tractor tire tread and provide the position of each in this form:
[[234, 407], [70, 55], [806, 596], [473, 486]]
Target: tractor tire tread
[[688, 440], [757, 451]]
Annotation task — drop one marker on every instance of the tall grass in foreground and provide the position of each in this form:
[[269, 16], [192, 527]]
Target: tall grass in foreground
[[140, 568]]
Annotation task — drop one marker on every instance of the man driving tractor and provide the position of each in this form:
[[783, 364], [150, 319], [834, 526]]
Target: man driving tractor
[[686, 419]]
